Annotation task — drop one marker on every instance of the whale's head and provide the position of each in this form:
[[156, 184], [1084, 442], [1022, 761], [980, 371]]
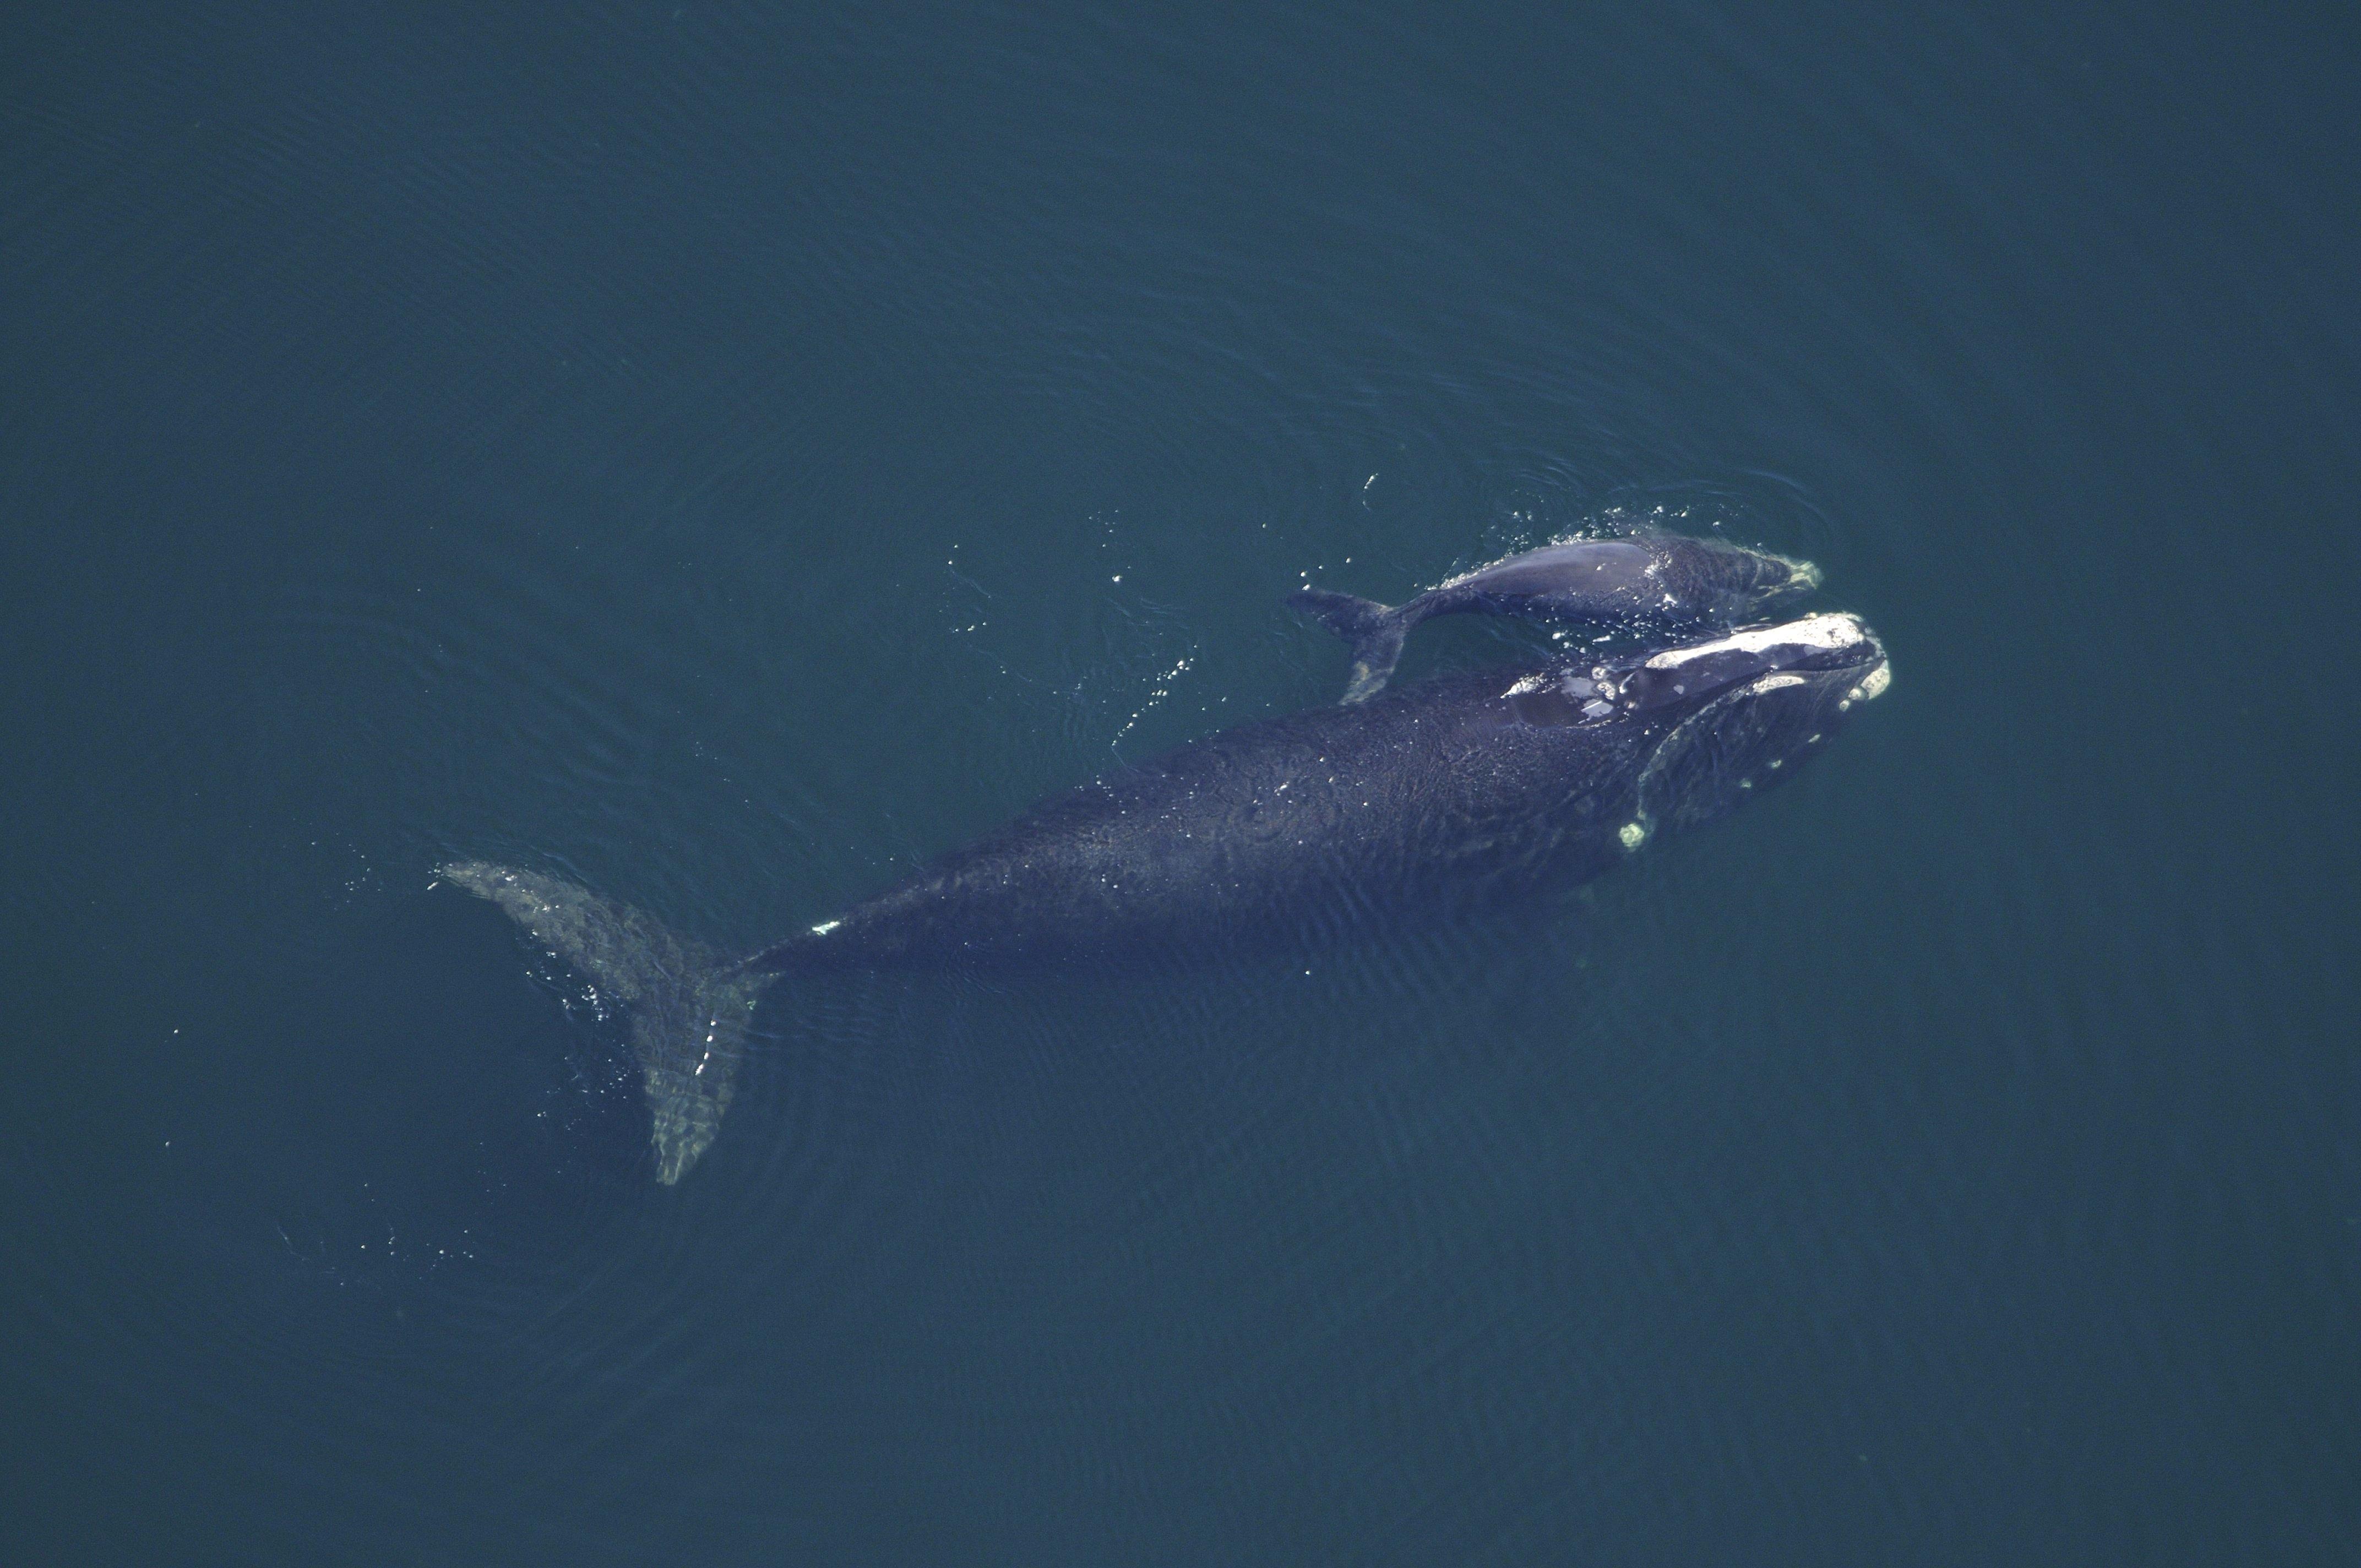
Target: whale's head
[[1738, 714], [1712, 723], [1721, 581]]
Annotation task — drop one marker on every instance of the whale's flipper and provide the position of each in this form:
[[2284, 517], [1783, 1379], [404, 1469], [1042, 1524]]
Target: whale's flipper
[[1375, 630], [687, 1006]]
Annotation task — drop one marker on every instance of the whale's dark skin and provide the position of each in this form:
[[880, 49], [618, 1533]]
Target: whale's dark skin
[[1644, 581], [1285, 834]]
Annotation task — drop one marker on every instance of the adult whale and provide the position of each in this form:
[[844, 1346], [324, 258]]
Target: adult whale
[[1475, 787], [1649, 580]]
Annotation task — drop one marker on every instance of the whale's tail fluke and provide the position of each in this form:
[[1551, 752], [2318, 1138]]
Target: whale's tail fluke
[[686, 1006], [1375, 630]]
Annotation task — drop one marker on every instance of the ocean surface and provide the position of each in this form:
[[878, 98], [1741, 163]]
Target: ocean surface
[[725, 454]]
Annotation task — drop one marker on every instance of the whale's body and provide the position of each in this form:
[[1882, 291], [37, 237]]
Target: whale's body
[[1289, 829], [1283, 834], [1649, 580]]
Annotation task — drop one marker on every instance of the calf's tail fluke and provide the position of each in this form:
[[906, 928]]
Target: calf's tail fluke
[[686, 1006], [1374, 632]]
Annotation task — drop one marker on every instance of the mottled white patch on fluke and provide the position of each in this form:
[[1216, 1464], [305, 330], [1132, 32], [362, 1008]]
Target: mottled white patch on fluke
[[686, 1007]]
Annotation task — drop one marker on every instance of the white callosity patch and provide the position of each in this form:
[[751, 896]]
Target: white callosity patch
[[1632, 833], [1872, 687], [1773, 683], [1824, 633]]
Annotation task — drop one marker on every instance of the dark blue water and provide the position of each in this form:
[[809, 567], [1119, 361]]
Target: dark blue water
[[724, 455]]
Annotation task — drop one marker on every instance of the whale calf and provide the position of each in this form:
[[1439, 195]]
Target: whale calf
[[1284, 834], [1649, 580]]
